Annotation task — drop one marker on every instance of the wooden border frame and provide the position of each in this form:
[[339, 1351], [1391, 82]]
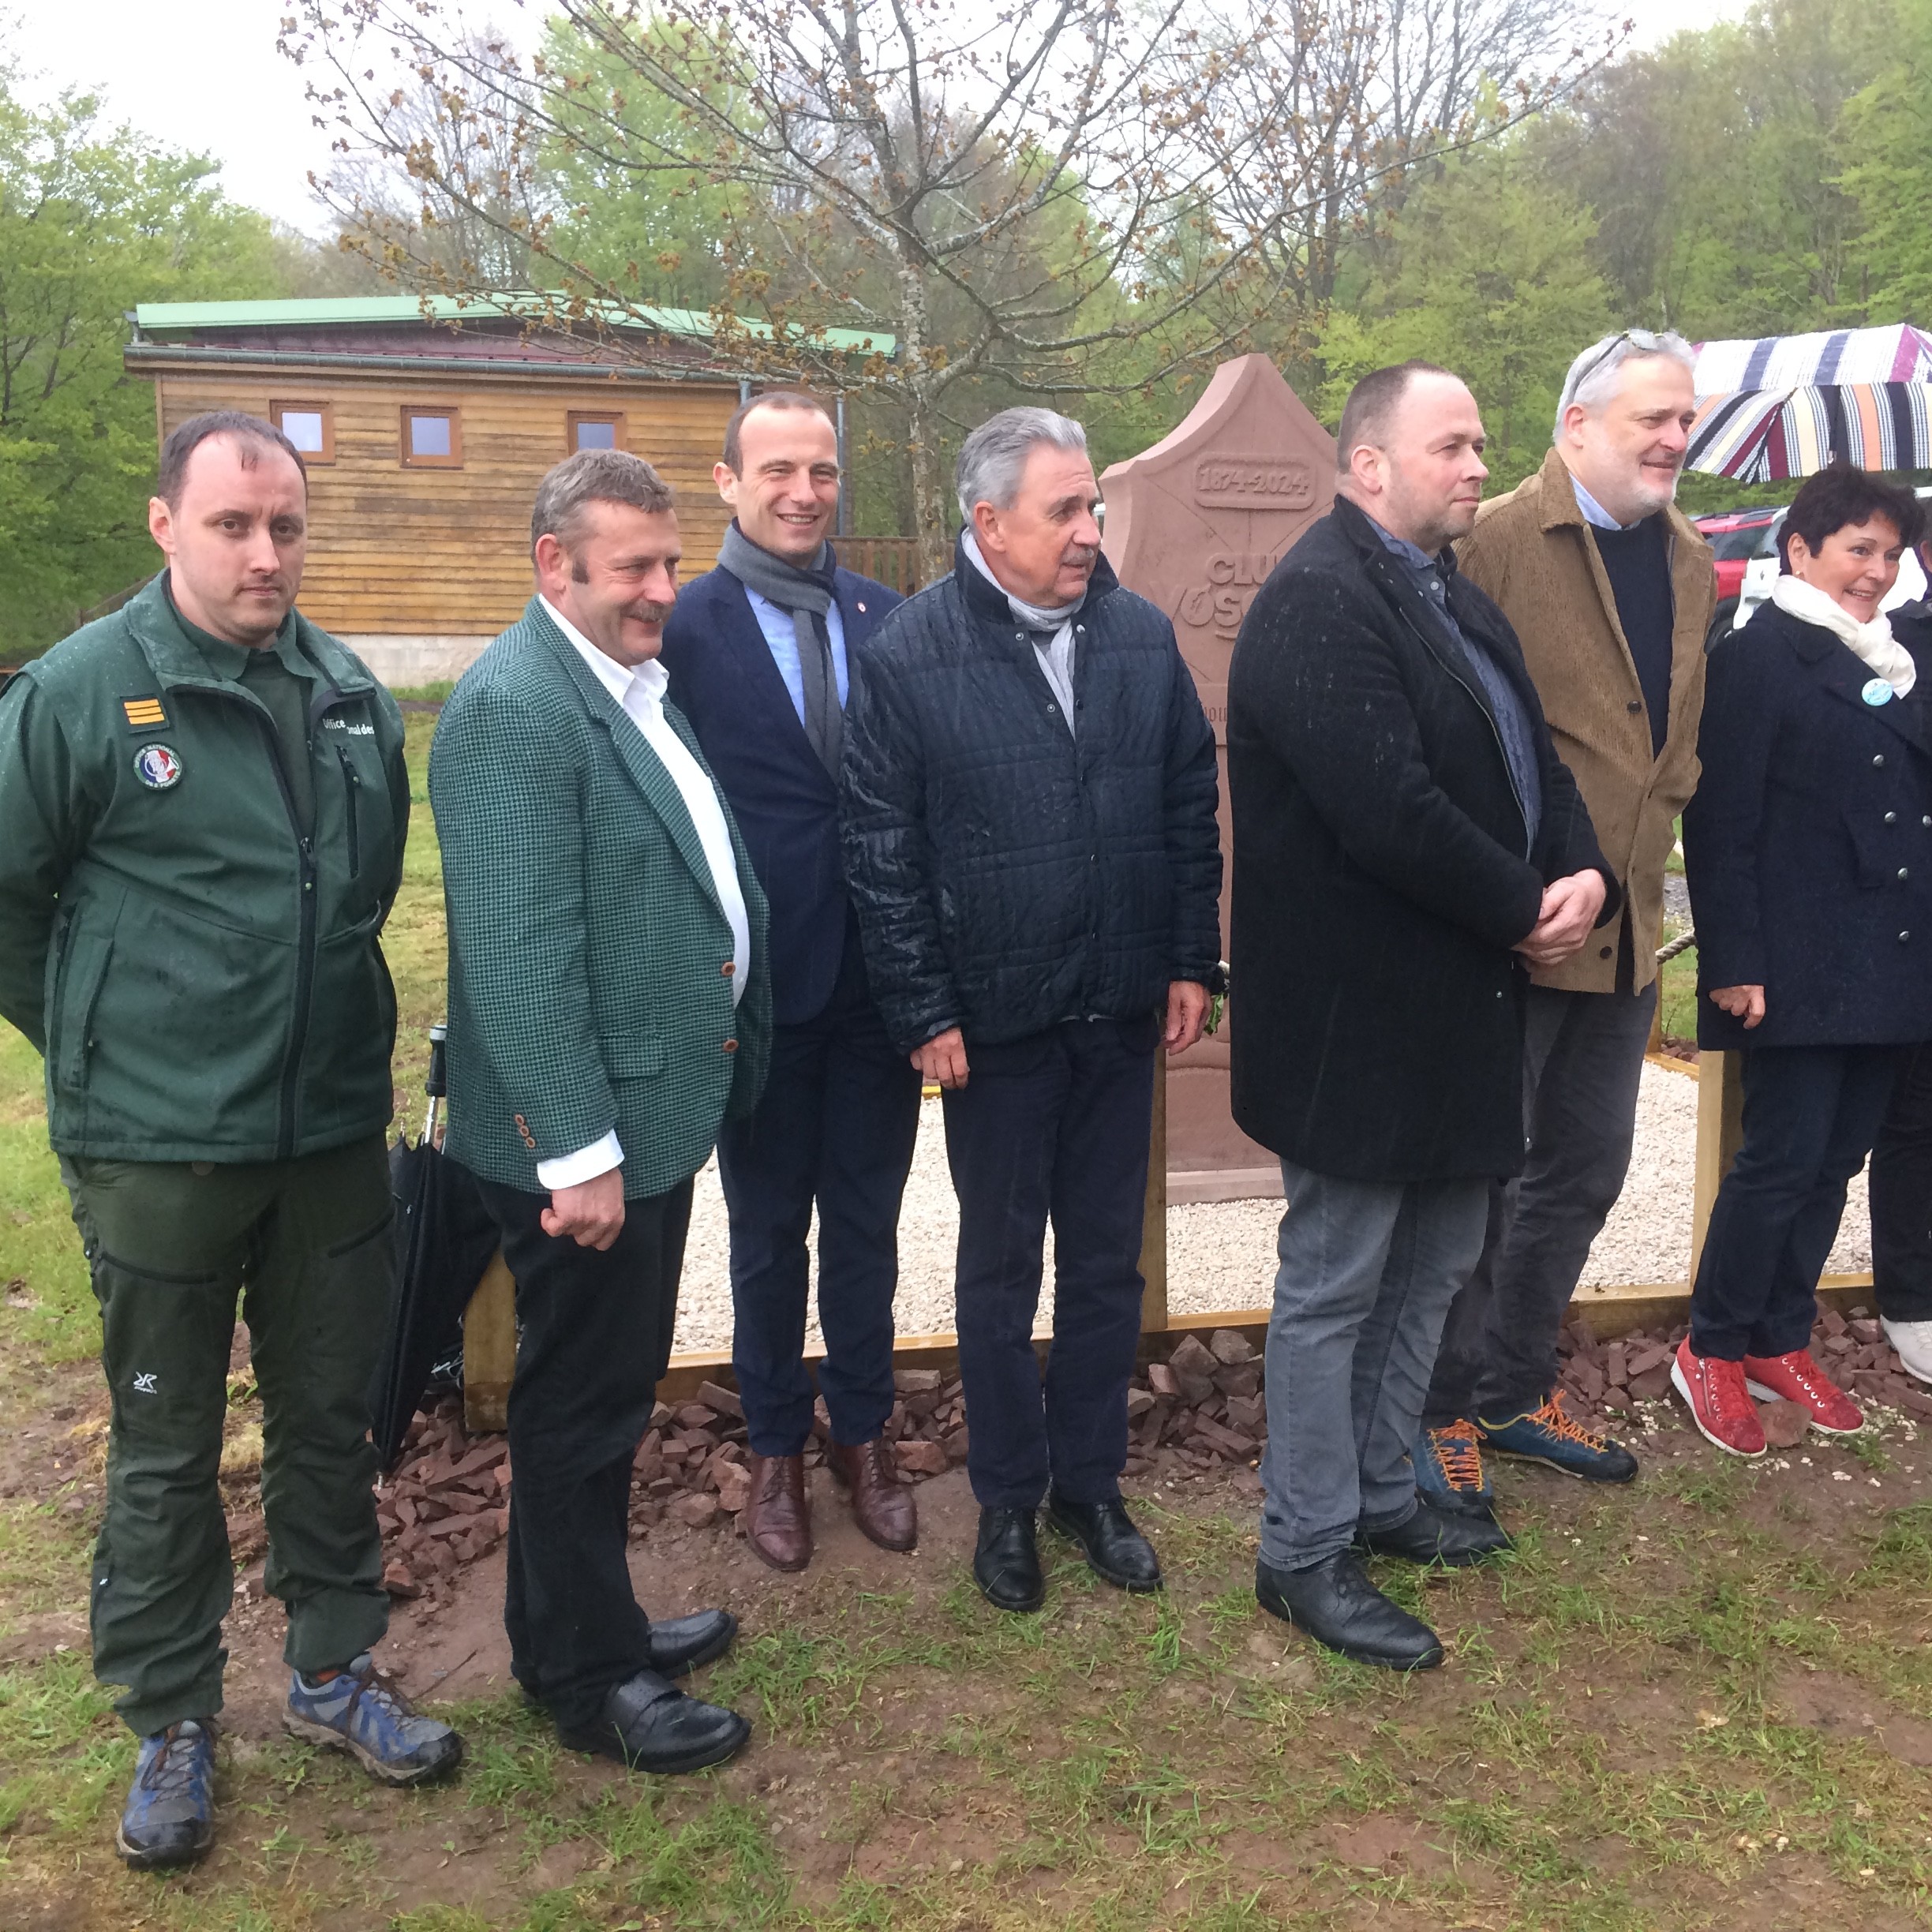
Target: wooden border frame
[[454, 413], [326, 410], [620, 427]]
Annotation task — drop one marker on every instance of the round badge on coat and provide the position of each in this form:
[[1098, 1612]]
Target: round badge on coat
[[157, 766], [1878, 691]]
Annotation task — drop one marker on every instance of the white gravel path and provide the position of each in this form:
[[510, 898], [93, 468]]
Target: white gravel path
[[1221, 1256]]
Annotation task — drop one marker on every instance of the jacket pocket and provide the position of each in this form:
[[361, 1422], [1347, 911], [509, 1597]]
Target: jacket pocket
[[83, 972], [353, 788], [635, 1055]]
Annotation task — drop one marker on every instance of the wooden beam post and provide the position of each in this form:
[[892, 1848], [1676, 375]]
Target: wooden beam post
[[489, 1349], [1720, 1130], [1154, 1222]]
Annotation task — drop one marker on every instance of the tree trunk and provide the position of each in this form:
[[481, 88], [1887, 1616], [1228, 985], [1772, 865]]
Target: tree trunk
[[930, 519]]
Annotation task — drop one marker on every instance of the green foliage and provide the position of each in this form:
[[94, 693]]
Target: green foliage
[[1489, 273], [93, 220]]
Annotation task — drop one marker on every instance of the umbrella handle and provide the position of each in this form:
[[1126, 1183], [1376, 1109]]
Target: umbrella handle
[[437, 1085]]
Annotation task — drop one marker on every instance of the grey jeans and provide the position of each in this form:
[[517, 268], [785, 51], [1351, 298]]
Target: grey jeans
[[1583, 1056], [1367, 1271]]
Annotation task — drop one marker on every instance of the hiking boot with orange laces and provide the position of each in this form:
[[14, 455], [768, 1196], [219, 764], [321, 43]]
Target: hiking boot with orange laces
[[1720, 1406], [1449, 1470], [1797, 1378], [1551, 1436]]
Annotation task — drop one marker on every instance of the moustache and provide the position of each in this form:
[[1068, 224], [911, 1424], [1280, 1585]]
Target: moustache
[[647, 612]]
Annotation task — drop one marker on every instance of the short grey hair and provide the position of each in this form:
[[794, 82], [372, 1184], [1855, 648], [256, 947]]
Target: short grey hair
[[993, 457], [1595, 377], [594, 476]]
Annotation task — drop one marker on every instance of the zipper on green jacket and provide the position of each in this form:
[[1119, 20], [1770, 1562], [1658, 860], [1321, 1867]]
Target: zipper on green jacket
[[354, 785]]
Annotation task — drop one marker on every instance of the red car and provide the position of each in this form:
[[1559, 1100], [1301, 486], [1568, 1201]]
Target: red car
[[1736, 536]]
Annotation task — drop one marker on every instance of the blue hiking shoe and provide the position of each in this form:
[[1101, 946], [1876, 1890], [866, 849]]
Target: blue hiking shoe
[[169, 1816], [1449, 1470], [1550, 1436], [360, 1711]]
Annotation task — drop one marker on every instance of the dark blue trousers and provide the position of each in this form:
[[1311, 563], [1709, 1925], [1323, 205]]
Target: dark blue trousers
[[1810, 1116], [1054, 1125], [836, 1125]]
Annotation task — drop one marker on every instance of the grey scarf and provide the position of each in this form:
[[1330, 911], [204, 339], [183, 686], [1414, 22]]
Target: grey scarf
[[806, 593], [1052, 630]]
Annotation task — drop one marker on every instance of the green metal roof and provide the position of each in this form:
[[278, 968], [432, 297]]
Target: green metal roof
[[168, 319]]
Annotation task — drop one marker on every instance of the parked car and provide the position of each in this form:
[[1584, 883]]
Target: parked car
[[1761, 572], [1735, 537]]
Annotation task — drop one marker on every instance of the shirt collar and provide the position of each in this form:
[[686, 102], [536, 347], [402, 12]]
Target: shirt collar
[[1034, 616], [232, 661], [1413, 555], [1593, 511], [651, 676]]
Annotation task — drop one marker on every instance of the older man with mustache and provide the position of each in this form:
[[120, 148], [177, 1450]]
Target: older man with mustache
[[1029, 834], [1610, 590]]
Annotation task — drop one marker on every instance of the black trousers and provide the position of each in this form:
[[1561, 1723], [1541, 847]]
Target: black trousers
[[1901, 1195], [1583, 1057], [836, 1125], [1810, 1116], [593, 1339], [1056, 1126]]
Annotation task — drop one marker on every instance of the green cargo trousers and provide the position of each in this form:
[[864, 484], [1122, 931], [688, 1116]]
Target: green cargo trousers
[[306, 1245]]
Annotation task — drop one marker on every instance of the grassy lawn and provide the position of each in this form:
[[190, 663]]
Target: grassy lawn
[[1707, 1702]]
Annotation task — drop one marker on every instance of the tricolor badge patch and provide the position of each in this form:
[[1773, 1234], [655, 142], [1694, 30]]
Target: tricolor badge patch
[[143, 714]]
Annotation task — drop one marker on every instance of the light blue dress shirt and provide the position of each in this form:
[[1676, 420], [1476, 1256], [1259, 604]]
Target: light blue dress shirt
[[1594, 512], [781, 638]]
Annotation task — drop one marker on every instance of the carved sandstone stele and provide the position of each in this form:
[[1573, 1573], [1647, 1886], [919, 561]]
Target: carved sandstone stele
[[1194, 524]]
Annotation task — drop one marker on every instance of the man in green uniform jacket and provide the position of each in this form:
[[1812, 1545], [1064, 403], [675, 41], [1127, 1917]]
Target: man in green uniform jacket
[[205, 805]]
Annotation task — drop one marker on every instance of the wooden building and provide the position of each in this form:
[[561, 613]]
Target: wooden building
[[426, 430]]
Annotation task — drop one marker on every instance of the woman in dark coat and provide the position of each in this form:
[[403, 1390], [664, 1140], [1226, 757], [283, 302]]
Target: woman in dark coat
[[1809, 852]]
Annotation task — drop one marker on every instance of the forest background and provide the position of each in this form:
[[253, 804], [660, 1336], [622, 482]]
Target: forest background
[[1089, 217]]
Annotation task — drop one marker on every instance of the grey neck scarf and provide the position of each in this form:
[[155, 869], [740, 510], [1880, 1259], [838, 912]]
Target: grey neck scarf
[[1052, 630], [806, 593]]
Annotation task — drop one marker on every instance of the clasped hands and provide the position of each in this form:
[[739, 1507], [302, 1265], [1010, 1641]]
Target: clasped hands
[[942, 1059], [1568, 916]]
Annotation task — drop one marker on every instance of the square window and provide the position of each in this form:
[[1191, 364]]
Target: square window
[[310, 426], [431, 439], [593, 432]]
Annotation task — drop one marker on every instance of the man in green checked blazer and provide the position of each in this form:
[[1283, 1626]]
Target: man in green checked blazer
[[608, 1008]]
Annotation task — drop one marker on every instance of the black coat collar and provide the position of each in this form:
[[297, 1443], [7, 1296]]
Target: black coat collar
[[1841, 671], [986, 599]]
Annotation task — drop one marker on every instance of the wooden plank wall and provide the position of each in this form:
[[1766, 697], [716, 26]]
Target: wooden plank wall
[[446, 552]]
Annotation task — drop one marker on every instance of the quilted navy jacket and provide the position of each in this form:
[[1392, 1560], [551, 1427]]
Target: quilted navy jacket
[[1010, 874]]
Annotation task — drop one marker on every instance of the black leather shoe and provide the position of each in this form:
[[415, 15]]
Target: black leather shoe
[[679, 1644], [1116, 1551], [651, 1725], [1340, 1608], [1430, 1535], [1006, 1564]]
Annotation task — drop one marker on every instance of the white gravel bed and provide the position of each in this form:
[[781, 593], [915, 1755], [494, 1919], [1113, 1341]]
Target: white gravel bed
[[1222, 1255]]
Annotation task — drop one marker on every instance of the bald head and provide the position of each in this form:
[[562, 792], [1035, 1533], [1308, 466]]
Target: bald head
[[1410, 454]]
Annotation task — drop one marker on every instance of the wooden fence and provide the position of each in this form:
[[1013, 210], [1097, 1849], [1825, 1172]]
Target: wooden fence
[[890, 560]]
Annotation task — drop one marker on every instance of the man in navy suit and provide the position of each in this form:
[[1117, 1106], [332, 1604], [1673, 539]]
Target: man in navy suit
[[762, 652]]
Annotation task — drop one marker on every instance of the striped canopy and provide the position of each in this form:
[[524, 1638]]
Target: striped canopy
[[1786, 406]]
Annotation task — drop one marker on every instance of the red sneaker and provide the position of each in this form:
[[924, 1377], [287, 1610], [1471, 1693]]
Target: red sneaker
[[1719, 1404], [1797, 1378]]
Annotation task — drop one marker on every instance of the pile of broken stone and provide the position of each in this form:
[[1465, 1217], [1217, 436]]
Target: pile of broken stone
[[1200, 1409]]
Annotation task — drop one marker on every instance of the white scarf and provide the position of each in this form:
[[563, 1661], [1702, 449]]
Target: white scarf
[[1873, 643], [1052, 630]]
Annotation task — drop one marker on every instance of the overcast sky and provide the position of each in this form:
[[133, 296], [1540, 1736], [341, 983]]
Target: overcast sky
[[204, 75]]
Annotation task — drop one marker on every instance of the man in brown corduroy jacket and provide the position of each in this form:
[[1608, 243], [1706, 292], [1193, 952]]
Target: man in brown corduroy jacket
[[1610, 588]]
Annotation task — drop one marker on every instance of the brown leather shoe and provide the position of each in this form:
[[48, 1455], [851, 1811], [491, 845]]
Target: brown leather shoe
[[778, 1518], [882, 1505]]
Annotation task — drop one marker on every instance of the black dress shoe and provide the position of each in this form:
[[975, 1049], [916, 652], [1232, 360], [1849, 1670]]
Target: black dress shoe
[[679, 1644], [651, 1725], [1431, 1535], [1117, 1552], [1006, 1564], [1339, 1607]]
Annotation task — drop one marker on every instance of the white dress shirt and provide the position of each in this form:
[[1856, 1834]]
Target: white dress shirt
[[640, 695]]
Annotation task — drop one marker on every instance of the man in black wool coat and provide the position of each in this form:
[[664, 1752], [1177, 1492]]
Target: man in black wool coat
[[1406, 843]]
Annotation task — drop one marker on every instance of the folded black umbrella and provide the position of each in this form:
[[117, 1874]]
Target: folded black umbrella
[[444, 1241]]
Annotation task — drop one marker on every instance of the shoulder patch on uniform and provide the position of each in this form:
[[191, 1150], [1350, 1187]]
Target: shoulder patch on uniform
[[143, 714]]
